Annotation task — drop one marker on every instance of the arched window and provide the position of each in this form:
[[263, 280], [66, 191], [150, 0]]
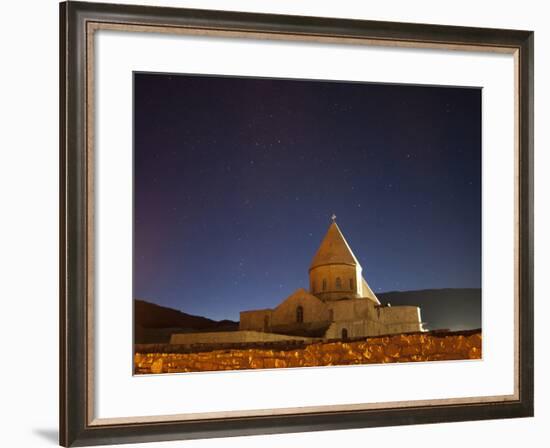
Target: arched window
[[330, 315], [338, 283], [266, 322], [344, 333], [299, 314], [313, 286], [351, 284], [324, 284]]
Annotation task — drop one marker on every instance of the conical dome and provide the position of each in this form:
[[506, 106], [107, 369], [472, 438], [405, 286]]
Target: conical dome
[[334, 249]]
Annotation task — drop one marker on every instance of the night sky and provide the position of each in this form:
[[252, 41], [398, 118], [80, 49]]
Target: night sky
[[235, 180]]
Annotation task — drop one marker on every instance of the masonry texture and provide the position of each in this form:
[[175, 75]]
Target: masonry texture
[[374, 350]]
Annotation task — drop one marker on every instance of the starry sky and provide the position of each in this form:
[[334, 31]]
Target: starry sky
[[235, 180]]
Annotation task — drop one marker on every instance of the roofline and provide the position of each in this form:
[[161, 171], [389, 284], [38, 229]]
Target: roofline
[[254, 311], [348, 247], [338, 291]]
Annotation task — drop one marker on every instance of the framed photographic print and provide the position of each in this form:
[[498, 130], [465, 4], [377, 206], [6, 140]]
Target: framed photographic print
[[278, 224]]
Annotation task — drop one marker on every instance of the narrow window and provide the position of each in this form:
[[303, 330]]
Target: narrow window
[[324, 284], [351, 284], [299, 314], [313, 286], [331, 315], [338, 283], [344, 333], [266, 322]]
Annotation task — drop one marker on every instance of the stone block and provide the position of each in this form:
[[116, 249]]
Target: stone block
[[392, 350], [156, 366]]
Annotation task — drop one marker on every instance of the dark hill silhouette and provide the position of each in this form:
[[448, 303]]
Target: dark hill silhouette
[[452, 309], [155, 323], [150, 315]]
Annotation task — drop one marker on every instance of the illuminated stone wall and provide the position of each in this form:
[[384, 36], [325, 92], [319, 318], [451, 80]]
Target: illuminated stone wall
[[328, 274], [359, 317], [387, 349], [231, 337]]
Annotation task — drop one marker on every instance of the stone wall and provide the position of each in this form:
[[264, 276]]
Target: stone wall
[[314, 310], [358, 317], [255, 320], [385, 349], [229, 337], [400, 319], [328, 274]]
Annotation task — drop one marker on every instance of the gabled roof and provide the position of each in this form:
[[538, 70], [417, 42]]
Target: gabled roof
[[368, 292], [334, 249], [300, 293]]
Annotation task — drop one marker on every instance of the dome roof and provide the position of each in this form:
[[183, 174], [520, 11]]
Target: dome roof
[[334, 249]]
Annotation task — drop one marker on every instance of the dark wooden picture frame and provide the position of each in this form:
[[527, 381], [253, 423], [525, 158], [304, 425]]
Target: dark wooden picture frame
[[78, 21]]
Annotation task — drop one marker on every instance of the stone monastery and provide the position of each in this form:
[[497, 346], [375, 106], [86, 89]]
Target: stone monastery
[[339, 304]]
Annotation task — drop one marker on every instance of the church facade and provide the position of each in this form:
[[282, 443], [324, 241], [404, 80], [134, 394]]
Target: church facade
[[338, 305]]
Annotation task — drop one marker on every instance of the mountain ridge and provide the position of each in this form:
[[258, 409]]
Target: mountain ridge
[[444, 308], [155, 323]]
